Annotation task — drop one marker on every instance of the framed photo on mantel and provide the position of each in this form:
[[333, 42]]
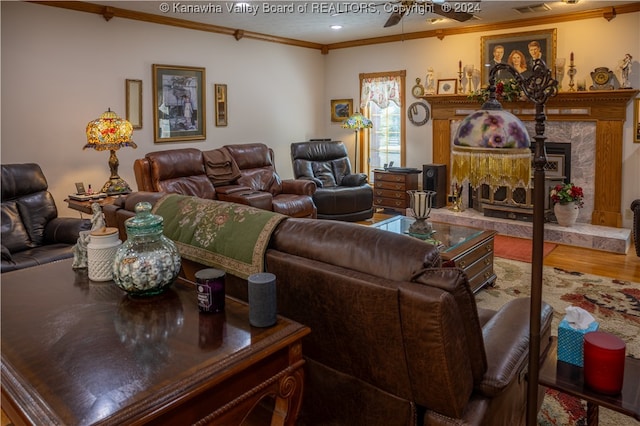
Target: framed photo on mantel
[[178, 103]]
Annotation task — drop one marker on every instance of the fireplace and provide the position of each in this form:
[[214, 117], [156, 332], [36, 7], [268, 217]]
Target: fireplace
[[592, 122], [517, 203]]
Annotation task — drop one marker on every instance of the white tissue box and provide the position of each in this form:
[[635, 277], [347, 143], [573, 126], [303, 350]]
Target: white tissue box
[[571, 341]]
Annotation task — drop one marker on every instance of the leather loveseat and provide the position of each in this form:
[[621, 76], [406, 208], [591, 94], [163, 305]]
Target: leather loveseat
[[32, 232], [242, 174], [341, 195], [396, 339]]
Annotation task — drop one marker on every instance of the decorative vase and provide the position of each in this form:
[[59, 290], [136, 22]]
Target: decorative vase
[[148, 262], [420, 204], [566, 214]]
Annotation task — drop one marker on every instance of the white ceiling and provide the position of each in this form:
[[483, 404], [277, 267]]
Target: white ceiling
[[314, 24]]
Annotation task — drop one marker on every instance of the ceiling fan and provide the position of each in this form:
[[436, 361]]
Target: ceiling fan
[[401, 7]]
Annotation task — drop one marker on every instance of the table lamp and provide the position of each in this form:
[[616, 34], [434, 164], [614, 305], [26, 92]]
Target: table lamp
[[111, 132], [491, 146], [357, 121]]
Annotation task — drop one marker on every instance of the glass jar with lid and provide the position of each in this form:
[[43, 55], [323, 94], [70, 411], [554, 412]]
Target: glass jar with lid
[[148, 262]]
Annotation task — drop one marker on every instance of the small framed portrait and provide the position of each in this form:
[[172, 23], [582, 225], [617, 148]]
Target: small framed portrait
[[178, 103], [448, 86], [341, 109], [80, 188], [133, 93]]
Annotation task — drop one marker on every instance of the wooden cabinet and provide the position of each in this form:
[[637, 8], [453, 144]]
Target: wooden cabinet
[[390, 189]]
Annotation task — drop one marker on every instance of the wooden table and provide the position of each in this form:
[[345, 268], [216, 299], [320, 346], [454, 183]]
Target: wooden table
[[85, 206], [568, 378], [470, 249], [78, 352]]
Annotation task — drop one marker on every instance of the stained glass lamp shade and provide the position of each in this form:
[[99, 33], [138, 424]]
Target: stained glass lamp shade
[[111, 132], [356, 122]]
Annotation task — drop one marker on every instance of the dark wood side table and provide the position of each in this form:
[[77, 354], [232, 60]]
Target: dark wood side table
[[390, 189], [85, 206], [79, 352], [568, 378]]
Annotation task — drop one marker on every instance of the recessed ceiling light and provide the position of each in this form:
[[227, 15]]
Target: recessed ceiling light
[[435, 20], [336, 27]]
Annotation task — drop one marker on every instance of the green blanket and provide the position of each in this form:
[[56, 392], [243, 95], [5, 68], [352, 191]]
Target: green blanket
[[228, 236]]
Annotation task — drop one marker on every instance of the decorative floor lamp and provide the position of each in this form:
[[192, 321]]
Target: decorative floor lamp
[[356, 122], [491, 146], [111, 132]]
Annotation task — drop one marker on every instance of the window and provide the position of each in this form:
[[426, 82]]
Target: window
[[382, 101]]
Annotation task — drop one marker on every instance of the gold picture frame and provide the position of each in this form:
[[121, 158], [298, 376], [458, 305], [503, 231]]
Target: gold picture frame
[[514, 42], [220, 104], [447, 86], [178, 103], [341, 109], [133, 95], [636, 122]]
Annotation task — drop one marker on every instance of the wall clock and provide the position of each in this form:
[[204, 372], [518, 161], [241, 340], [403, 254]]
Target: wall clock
[[418, 89], [418, 113]]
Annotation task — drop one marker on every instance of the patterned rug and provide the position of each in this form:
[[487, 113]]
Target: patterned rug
[[614, 303]]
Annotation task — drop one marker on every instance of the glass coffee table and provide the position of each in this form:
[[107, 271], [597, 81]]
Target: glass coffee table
[[470, 249]]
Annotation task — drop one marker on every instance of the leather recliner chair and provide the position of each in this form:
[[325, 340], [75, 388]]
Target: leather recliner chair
[[341, 195], [32, 232]]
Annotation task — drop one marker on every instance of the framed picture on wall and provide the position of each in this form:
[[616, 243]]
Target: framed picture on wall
[[636, 122], [448, 86], [220, 104], [178, 103], [518, 50], [133, 93], [341, 109]]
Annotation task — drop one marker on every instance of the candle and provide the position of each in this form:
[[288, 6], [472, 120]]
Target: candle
[[460, 65], [571, 56]]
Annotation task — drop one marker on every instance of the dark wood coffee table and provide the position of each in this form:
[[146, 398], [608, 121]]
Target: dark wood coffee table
[[568, 378], [78, 352], [462, 246]]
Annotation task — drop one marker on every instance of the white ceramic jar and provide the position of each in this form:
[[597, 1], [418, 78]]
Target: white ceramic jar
[[101, 250]]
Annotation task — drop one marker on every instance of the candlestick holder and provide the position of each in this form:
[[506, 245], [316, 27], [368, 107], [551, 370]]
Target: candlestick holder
[[572, 73], [460, 86]]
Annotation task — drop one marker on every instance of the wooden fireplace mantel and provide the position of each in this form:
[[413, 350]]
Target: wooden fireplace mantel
[[607, 108]]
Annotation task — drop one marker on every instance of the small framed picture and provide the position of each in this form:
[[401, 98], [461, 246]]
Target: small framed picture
[[133, 93], [341, 109], [220, 105], [80, 188], [447, 86]]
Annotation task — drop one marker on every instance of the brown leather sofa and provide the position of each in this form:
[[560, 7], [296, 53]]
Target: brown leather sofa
[[249, 178], [341, 195], [32, 232], [396, 339]]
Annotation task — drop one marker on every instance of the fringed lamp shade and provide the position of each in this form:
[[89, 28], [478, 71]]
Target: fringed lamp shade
[[356, 122], [491, 147], [111, 132]]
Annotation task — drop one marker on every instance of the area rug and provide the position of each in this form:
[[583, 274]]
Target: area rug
[[517, 248], [614, 303]]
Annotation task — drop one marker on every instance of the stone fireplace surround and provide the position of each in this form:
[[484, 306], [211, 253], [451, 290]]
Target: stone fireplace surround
[[592, 122]]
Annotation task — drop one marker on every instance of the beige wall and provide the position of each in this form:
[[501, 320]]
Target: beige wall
[[61, 69]]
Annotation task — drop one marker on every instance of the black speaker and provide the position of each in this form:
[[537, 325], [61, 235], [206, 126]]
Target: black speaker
[[434, 178]]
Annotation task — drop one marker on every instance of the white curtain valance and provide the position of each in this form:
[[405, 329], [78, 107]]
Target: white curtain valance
[[380, 90]]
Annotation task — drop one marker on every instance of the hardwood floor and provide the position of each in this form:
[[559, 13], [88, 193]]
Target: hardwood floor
[[623, 267]]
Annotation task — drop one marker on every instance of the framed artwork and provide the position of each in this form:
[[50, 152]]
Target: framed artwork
[[448, 86], [636, 125], [517, 49], [341, 109], [178, 103], [133, 95], [220, 104]]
